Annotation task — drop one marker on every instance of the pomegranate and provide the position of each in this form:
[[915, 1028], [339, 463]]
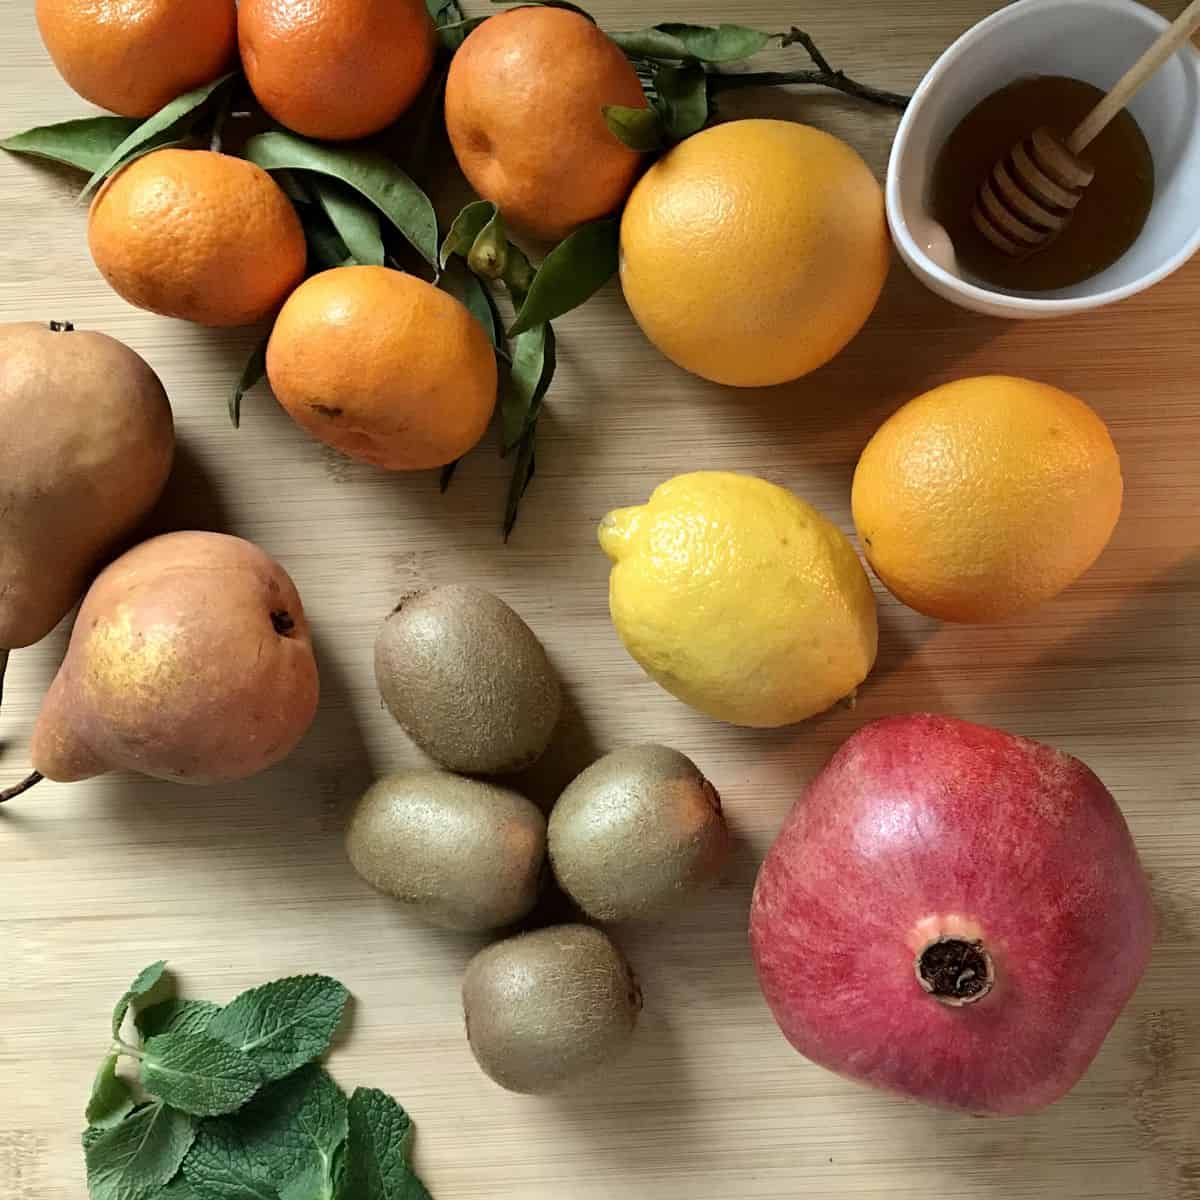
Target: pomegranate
[[954, 914]]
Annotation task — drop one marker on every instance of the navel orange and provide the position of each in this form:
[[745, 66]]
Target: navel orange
[[984, 498], [197, 235], [383, 367], [134, 56], [524, 110], [336, 69], [754, 251]]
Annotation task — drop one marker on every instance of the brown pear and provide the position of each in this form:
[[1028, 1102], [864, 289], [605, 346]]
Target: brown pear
[[190, 661], [86, 451]]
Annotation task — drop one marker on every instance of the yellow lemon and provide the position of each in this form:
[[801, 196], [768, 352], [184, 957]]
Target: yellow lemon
[[754, 251], [740, 599]]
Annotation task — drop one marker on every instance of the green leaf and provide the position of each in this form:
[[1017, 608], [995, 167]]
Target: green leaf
[[149, 978], [467, 226], [198, 1074], [284, 1143], [253, 373], [90, 1136], [452, 26], [683, 99], [706, 43], [85, 143], [219, 1167], [176, 1016], [283, 1025], [523, 472], [370, 174], [377, 1166], [574, 271], [177, 1189], [292, 1130], [326, 250], [141, 1155], [111, 1100], [482, 307], [640, 129], [168, 122], [356, 221], [529, 377]]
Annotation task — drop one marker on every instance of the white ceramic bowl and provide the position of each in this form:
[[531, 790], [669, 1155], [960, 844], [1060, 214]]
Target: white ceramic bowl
[[1095, 40]]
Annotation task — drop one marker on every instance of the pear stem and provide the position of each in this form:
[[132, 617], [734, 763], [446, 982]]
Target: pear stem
[[19, 789]]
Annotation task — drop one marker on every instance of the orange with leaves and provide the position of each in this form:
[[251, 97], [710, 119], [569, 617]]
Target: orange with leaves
[[524, 109], [384, 367]]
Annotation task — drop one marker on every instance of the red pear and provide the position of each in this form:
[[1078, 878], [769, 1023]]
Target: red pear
[[954, 914], [190, 660]]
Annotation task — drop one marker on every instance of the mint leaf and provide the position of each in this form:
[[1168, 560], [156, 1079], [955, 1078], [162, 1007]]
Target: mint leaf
[[377, 1151], [139, 1156], [218, 1167], [293, 1130], [148, 979], [175, 1016], [177, 1189], [283, 1025], [111, 1100], [198, 1074]]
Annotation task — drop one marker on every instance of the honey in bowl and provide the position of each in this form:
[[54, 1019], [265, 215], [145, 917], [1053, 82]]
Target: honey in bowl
[[1109, 216]]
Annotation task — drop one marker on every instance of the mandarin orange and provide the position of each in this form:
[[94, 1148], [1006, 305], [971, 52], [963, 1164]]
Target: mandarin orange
[[336, 69], [384, 367], [134, 56], [197, 235], [524, 110]]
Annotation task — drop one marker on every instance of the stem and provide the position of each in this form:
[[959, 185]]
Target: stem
[[123, 1047], [218, 125], [19, 789], [839, 81]]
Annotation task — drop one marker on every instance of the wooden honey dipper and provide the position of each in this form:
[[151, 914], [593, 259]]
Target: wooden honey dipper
[[1030, 195]]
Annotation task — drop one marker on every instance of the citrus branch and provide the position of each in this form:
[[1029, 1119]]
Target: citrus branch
[[823, 76]]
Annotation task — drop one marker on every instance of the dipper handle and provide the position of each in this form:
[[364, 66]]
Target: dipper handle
[[1132, 81]]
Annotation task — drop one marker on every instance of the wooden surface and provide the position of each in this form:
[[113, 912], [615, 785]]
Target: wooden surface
[[238, 884]]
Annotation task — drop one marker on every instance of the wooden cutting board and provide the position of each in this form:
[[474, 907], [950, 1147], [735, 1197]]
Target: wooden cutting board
[[238, 884]]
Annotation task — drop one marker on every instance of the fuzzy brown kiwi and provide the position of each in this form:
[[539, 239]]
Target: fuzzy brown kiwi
[[456, 852], [636, 834], [468, 680], [546, 1008]]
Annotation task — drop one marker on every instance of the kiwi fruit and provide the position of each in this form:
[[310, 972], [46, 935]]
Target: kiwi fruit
[[636, 834], [459, 853], [543, 1009], [468, 680]]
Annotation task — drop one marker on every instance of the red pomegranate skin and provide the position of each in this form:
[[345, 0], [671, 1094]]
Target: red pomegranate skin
[[922, 826]]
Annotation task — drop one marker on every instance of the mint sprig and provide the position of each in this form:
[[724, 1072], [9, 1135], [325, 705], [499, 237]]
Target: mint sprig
[[228, 1104]]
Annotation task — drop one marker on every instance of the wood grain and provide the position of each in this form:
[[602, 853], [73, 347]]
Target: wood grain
[[241, 883]]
